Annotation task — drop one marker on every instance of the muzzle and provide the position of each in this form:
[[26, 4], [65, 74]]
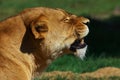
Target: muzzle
[[77, 44], [79, 48]]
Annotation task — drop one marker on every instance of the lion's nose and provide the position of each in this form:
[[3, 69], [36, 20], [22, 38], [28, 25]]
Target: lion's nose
[[83, 20], [81, 29]]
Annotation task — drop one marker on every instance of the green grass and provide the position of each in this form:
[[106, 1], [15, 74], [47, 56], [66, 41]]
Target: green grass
[[79, 7], [74, 64]]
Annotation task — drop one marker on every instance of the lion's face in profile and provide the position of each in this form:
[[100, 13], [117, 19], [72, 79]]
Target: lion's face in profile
[[58, 29], [30, 40]]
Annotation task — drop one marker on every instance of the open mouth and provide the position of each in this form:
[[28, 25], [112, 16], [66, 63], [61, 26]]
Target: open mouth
[[79, 48], [77, 44]]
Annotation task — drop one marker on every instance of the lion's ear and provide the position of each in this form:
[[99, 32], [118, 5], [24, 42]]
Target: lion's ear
[[39, 28]]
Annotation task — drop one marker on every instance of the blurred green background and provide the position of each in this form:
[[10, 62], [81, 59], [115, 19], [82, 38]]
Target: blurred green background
[[104, 36]]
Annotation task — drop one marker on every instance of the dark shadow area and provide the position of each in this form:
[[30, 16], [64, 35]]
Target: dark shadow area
[[104, 37], [27, 44]]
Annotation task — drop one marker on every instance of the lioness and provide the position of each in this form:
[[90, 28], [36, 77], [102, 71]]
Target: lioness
[[31, 40]]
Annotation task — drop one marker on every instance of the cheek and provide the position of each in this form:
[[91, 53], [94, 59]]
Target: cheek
[[68, 30], [70, 37], [69, 41], [54, 43], [60, 37]]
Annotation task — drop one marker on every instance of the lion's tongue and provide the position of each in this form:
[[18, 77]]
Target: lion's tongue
[[78, 44], [79, 48]]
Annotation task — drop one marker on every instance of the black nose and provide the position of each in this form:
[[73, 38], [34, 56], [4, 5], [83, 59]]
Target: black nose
[[76, 45]]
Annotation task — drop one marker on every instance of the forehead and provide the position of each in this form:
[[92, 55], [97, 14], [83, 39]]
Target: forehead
[[56, 13]]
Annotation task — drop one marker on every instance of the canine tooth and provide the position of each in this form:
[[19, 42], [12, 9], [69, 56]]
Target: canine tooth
[[82, 41]]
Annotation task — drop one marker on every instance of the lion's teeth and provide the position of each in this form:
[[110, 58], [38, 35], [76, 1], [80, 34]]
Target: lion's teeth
[[82, 41]]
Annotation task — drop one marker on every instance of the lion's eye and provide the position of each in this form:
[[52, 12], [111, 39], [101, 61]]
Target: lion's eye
[[67, 19]]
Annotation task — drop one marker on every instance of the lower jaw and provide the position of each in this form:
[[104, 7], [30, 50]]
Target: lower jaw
[[79, 48], [81, 52]]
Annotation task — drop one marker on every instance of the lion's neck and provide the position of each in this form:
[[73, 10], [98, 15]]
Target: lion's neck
[[41, 63], [31, 47]]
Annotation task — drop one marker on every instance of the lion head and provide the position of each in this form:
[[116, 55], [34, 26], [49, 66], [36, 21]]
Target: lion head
[[56, 29], [30, 40]]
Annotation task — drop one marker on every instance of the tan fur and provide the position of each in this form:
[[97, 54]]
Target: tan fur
[[30, 40]]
